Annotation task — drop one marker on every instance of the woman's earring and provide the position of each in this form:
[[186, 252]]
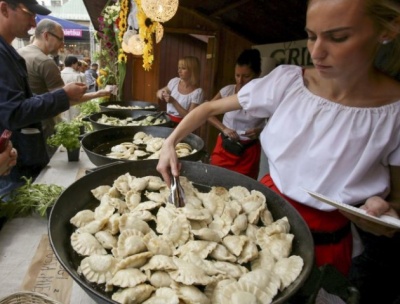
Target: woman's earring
[[386, 41]]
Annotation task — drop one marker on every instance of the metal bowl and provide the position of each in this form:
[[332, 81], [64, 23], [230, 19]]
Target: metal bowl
[[78, 196], [98, 143], [129, 105], [124, 114]]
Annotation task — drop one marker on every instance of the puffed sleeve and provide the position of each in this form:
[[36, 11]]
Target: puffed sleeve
[[197, 96], [261, 96]]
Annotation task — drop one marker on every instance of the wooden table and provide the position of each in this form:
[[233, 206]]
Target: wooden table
[[20, 237]]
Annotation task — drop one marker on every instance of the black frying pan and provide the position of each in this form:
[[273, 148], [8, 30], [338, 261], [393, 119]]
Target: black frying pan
[[98, 143], [139, 105], [78, 197], [123, 114]]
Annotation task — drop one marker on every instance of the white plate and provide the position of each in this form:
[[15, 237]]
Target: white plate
[[383, 219]]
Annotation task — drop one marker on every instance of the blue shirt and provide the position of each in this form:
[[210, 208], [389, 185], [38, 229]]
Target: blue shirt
[[21, 112]]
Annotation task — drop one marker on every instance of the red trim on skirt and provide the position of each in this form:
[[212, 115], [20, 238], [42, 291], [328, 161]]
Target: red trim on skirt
[[247, 164], [175, 119], [339, 254]]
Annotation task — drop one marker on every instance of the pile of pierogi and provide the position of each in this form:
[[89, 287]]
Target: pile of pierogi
[[223, 247]]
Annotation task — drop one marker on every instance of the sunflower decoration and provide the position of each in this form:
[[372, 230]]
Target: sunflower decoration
[[147, 28], [112, 26], [122, 58], [122, 19]]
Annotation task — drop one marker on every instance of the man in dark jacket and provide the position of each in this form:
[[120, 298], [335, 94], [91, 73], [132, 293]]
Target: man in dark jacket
[[20, 111]]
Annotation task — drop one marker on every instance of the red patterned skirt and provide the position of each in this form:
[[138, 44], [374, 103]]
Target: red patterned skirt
[[331, 232]]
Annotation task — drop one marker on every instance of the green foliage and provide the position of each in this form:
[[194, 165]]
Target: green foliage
[[29, 198], [66, 134], [91, 106]]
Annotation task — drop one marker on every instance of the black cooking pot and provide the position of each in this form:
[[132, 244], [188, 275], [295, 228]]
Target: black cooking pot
[[78, 196], [123, 114], [138, 105], [98, 143]]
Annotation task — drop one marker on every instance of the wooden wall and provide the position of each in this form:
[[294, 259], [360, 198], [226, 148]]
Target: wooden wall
[[217, 55]]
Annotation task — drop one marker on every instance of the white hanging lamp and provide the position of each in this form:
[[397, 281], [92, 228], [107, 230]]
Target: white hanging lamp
[[136, 45], [159, 32], [125, 40], [160, 10]]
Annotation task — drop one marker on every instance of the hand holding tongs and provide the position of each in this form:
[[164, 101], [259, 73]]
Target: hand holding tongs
[[177, 196]]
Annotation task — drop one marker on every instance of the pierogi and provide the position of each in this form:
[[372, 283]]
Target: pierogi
[[223, 247]]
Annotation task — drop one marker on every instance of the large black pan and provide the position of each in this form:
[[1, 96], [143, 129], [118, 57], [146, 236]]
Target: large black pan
[[137, 105], [123, 114], [98, 143], [78, 197]]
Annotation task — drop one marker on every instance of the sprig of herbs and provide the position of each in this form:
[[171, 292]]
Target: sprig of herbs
[[29, 198]]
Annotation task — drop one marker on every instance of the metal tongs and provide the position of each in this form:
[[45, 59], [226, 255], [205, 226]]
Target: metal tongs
[[177, 196]]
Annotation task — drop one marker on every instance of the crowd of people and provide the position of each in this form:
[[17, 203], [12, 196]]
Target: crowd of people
[[332, 128]]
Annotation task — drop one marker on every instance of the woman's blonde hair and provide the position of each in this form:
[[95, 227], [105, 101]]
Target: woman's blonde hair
[[386, 15], [192, 63]]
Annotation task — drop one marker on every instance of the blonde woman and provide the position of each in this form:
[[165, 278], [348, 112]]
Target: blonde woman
[[183, 93]]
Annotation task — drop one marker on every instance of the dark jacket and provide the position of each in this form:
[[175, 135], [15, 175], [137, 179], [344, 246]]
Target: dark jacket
[[21, 112]]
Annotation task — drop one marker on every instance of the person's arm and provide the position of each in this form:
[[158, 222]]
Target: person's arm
[[378, 206], [97, 94], [161, 91], [214, 121], [168, 162]]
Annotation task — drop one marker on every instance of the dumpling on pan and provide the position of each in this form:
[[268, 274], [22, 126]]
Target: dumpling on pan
[[190, 294], [244, 292], [136, 294], [135, 261], [159, 262], [86, 244], [288, 269], [155, 183], [163, 295], [82, 218], [99, 191], [129, 277], [130, 242], [158, 245], [98, 268], [106, 239]]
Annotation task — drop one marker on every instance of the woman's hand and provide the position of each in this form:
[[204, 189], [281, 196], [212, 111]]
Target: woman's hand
[[168, 162], [8, 159], [253, 133], [375, 206], [232, 134], [164, 94]]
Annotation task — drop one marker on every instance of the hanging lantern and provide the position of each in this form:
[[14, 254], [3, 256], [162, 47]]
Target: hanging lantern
[[125, 40], [127, 35], [160, 10], [125, 47], [159, 32], [136, 45]]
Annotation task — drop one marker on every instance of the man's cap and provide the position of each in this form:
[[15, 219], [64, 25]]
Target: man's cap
[[34, 7]]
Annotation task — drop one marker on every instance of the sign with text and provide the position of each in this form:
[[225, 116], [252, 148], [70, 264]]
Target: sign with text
[[46, 275], [72, 33], [293, 52]]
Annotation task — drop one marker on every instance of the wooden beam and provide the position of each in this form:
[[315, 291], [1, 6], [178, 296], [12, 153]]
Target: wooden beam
[[229, 7]]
